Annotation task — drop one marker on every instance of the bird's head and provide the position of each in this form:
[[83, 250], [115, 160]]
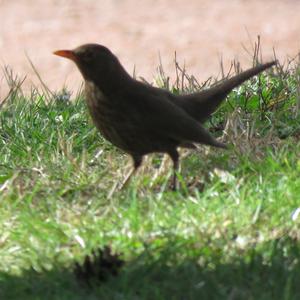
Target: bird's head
[[95, 62]]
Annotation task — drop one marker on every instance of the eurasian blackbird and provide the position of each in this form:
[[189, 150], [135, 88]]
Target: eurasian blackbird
[[141, 119]]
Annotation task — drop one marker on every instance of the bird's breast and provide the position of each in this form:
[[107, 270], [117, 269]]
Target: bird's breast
[[106, 116]]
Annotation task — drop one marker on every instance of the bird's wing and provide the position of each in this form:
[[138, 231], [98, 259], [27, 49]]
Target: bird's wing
[[163, 117]]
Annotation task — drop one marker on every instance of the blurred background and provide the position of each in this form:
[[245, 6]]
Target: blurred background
[[200, 31]]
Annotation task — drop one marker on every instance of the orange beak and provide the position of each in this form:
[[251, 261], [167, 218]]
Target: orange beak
[[66, 53]]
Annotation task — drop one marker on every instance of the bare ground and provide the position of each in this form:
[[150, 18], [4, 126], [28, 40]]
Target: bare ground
[[201, 31]]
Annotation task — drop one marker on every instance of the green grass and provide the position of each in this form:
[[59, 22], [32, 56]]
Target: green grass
[[230, 232]]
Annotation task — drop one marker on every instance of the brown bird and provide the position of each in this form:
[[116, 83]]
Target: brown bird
[[141, 119]]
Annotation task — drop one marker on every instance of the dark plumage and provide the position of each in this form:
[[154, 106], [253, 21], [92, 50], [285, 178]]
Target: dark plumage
[[141, 119]]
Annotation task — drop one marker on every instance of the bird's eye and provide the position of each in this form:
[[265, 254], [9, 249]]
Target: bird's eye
[[88, 56]]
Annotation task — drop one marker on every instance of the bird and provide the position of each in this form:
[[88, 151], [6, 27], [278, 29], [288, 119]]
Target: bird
[[141, 119]]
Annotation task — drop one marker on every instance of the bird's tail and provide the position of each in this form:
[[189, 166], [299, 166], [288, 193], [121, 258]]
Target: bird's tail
[[231, 83], [202, 104]]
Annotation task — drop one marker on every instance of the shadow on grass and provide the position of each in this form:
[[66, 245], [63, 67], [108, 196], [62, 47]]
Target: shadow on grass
[[271, 271]]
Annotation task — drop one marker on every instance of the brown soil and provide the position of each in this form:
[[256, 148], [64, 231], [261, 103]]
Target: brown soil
[[201, 31]]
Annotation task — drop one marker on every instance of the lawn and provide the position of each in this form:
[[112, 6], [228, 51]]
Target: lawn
[[231, 231]]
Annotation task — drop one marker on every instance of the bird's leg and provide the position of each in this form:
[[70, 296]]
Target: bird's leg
[[175, 158], [137, 161]]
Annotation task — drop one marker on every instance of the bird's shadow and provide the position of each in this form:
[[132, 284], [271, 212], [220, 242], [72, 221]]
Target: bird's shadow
[[271, 274]]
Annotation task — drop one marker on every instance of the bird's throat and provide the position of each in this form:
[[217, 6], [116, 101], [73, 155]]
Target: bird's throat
[[94, 95]]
